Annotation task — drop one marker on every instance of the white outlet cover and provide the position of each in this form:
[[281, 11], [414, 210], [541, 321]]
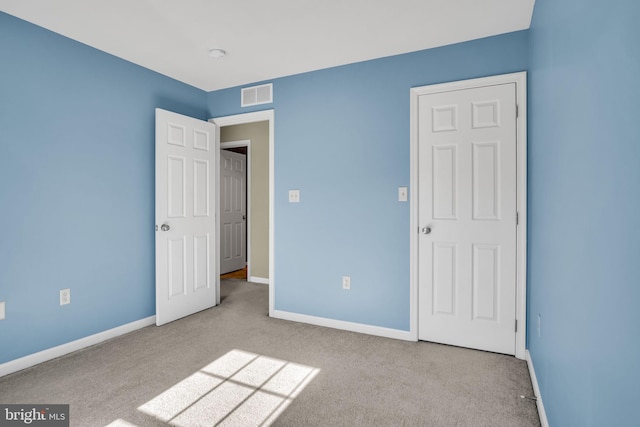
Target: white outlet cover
[[65, 296], [346, 282], [294, 196], [2, 312]]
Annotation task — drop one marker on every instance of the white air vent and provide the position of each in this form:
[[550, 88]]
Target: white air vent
[[256, 95]]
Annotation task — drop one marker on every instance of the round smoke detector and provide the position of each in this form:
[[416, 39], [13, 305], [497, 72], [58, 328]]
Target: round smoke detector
[[217, 53]]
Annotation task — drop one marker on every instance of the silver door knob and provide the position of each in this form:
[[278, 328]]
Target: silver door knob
[[426, 230], [165, 227]]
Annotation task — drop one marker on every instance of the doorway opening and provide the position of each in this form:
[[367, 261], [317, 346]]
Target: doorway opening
[[256, 132]]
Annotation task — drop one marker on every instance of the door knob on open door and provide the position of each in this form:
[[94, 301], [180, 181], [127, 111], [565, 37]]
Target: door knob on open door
[[426, 230], [165, 227]]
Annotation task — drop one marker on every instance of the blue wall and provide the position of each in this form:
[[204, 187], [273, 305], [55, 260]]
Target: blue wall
[[584, 210], [76, 185], [342, 138]]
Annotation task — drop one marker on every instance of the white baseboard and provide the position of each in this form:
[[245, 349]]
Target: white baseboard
[[254, 279], [536, 391], [54, 352], [345, 326]]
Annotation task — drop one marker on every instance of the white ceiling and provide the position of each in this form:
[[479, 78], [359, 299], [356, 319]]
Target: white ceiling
[[265, 39]]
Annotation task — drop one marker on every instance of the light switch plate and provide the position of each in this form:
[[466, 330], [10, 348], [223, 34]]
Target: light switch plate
[[403, 194], [2, 313], [294, 196]]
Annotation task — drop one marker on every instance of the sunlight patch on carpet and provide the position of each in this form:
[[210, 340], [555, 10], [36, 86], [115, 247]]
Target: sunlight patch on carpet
[[120, 423], [237, 389]]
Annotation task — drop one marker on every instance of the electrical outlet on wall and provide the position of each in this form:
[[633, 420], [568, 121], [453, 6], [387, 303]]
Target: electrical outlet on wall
[[294, 196], [65, 296], [346, 282], [2, 312]]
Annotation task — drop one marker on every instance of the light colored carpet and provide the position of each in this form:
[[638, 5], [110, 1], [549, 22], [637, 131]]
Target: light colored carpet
[[233, 364]]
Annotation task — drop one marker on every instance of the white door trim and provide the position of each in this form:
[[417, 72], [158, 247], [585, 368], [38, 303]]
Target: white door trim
[[237, 119], [237, 144], [520, 79]]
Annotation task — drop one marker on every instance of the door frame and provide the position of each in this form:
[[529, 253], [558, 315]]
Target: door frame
[[236, 144], [244, 118], [520, 79]]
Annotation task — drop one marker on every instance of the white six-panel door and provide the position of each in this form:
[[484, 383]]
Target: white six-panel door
[[186, 170], [233, 211], [467, 217]]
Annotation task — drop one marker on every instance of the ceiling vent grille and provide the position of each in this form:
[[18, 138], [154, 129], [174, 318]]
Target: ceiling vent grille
[[256, 95]]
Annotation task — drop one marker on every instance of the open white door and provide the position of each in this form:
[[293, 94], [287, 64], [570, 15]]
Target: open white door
[[233, 211], [186, 170]]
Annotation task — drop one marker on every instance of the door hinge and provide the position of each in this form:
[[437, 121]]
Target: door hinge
[[517, 111], [517, 218], [516, 325]]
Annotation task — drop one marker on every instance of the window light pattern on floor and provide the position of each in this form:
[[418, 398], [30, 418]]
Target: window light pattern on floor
[[120, 423], [238, 389]]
